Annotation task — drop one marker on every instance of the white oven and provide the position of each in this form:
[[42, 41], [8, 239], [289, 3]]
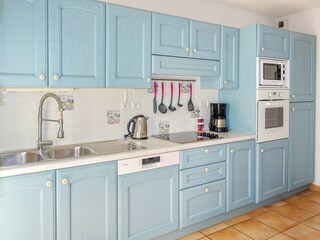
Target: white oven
[[272, 114]]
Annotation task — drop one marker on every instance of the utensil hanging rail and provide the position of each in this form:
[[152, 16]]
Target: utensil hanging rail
[[173, 80]]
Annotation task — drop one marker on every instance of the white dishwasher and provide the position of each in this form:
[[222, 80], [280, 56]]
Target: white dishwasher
[[148, 196]]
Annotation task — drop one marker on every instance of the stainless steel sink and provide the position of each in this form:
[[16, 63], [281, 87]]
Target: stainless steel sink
[[114, 146], [19, 158], [69, 152]]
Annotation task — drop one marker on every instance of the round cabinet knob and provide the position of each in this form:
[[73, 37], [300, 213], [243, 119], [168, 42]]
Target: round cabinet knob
[[187, 49], [49, 184], [194, 50], [262, 150], [206, 150], [148, 80], [262, 49], [64, 181], [206, 190], [56, 77], [293, 96], [225, 82], [280, 94], [293, 109], [42, 77], [232, 151], [206, 169]]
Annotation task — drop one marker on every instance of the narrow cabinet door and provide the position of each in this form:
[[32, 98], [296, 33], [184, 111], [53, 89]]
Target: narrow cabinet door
[[170, 35], [76, 43], [229, 58], [27, 207], [23, 39], [128, 47], [301, 144], [302, 67], [240, 174], [205, 40], [86, 203], [271, 169]]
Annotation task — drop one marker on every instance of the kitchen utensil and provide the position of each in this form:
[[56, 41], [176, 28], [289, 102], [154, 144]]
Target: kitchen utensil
[[171, 108], [139, 128], [179, 92], [190, 103], [162, 107], [155, 97]]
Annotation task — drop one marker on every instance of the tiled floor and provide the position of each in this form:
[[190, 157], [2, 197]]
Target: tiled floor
[[296, 217]]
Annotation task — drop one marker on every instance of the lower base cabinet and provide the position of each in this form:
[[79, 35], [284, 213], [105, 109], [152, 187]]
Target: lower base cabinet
[[271, 169], [148, 203]]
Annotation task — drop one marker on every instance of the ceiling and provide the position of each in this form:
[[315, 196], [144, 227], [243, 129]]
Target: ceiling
[[272, 8]]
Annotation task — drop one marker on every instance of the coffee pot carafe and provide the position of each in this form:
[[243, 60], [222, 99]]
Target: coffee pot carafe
[[137, 127]]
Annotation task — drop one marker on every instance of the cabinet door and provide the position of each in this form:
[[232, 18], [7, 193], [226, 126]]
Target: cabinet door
[[201, 203], [271, 169], [76, 43], [27, 207], [128, 47], [205, 40], [302, 67], [240, 174], [23, 39], [170, 35], [86, 203], [272, 42], [148, 203], [229, 58], [301, 144]]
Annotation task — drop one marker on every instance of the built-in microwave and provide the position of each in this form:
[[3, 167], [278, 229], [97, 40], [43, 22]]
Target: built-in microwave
[[272, 73]]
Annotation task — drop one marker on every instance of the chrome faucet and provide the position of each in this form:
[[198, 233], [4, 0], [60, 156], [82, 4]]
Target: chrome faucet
[[41, 143]]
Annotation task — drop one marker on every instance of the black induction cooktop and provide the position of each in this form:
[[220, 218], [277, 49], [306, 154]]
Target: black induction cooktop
[[187, 137]]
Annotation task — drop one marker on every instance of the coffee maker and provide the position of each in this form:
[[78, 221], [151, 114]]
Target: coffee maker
[[218, 117]]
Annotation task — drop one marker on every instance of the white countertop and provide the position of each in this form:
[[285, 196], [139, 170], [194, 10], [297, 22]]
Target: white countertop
[[153, 146]]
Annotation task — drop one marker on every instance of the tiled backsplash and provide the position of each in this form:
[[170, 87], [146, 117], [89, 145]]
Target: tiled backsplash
[[95, 114]]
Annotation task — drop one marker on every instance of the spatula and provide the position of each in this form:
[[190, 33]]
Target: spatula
[[190, 103]]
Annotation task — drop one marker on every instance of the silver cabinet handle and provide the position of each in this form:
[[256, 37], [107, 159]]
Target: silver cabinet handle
[[148, 80], [49, 183], [187, 49], [42, 77], [232, 151], [293, 109], [262, 150], [225, 82], [194, 50], [293, 96], [206, 169], [64, 181], [206, 150], [262, 49], [56, 77], [206, 190]]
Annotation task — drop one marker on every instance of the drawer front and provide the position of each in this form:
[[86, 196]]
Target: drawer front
[[200, 175], [202, 156], [201, 203]]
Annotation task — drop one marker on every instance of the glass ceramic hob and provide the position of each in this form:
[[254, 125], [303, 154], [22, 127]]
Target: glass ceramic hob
[[187, 137]]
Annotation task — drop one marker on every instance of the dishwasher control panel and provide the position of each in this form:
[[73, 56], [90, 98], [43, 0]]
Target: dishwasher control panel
[[148, 162]]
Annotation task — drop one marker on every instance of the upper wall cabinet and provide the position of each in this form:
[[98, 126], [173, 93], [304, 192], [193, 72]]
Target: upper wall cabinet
[[23, 38], [180, 37], [76, 43], [272, 42], [302, 67], [128, 47]]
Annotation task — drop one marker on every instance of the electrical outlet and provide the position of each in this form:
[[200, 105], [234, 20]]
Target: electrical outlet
[[136, 105], [125, 106]]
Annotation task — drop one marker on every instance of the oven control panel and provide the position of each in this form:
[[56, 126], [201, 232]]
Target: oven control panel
[[272, 94]]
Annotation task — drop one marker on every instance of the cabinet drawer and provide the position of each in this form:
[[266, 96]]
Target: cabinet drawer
[[204, 174], [202, 156], [201, 203]]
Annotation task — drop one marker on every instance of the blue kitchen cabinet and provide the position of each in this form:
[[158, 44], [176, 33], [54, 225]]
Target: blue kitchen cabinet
[[148, 203], [301, 144], [23, 39], [240, 174], [180, 37], [86, 202], [302, 67], [229, 58], [273, 42], [271, 169], [76, 43], [128, 47], [27, 207]]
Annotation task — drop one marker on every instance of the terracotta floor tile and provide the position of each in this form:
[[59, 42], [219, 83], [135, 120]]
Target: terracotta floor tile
[[237, 220], [255, 229], [314, 197], [205, 238], [193, 236], [281, 236], [293, 212], [306, 193], [313, 222], [275, 205], [276, 220], [302, 232], [228, 234], [291, 199], [257, 212], [308, 205], [214, 228]]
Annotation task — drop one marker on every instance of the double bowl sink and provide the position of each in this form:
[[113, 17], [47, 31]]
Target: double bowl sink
[[64, 152]]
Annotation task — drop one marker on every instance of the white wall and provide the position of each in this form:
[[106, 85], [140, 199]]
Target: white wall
[[308, 22]]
